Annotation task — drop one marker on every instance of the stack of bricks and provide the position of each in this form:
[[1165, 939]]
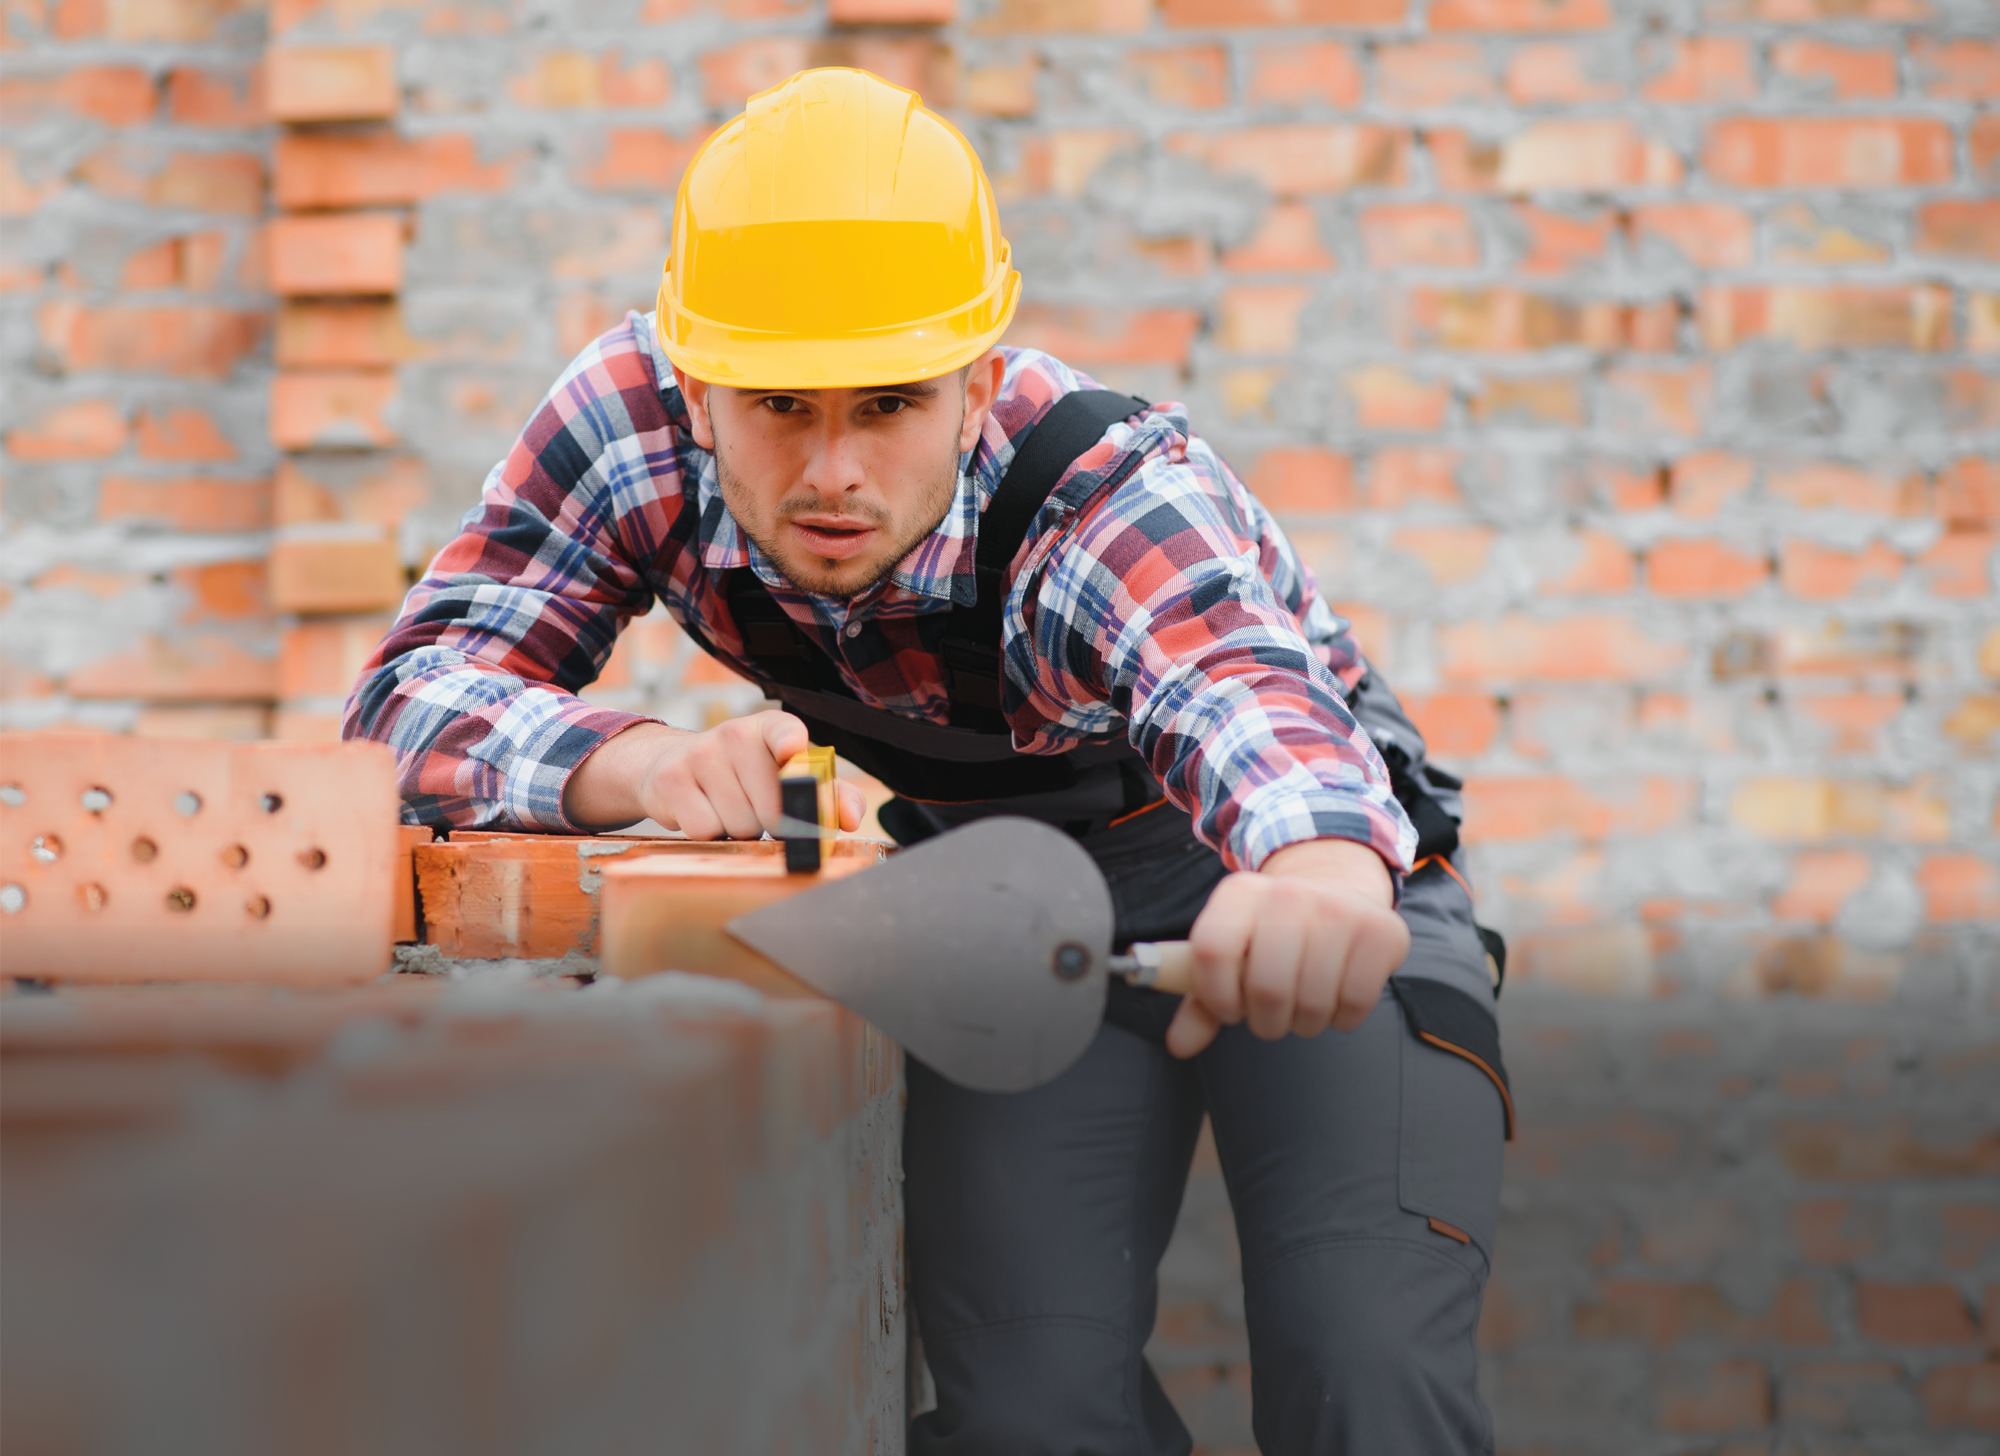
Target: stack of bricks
[[336, 265]]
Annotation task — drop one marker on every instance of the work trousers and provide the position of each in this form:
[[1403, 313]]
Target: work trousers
[[1363, 1169]]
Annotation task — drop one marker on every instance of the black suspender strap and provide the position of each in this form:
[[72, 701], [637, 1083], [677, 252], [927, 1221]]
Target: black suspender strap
[[971, 647]]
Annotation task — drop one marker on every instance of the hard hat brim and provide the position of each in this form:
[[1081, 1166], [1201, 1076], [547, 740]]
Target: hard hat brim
[[746, 358]]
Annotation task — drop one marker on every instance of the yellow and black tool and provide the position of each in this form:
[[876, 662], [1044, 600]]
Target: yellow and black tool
[[810, 808]]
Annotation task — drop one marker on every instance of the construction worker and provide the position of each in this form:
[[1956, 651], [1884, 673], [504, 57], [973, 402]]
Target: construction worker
[[1002, 589]]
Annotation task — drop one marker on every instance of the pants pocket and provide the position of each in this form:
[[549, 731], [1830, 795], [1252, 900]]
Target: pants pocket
[[1456, 1112]]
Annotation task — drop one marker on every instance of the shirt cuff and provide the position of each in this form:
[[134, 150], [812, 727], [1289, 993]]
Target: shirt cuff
[[1278, 815], [547, 754]]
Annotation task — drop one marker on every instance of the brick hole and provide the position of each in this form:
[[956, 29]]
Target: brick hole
[[257, 907], [13, 795], [180, 899], [236, 856], [313, 859], [187, 803], [45, 849], [271, 803], [92, 897], [95, 799], [13, 899], [144, 850]]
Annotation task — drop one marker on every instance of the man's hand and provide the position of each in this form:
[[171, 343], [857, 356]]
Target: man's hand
[[722, 784], [1305, 942]]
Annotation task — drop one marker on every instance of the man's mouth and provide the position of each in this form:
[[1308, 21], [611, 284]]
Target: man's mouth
[[833, 537]]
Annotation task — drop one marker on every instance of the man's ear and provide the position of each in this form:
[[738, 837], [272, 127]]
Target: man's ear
[[695, 393], [982, 388]]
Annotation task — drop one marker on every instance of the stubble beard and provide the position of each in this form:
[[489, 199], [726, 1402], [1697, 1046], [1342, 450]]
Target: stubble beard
[[800, 569]]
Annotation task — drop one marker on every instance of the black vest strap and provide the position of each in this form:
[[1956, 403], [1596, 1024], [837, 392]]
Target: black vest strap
[[973, 759]]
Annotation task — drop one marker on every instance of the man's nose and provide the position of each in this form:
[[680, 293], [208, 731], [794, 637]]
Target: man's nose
[[834, 466]]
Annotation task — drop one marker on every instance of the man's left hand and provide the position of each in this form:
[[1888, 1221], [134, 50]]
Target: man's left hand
[[1305, 942]]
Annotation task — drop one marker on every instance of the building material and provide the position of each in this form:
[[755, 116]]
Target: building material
[[132, 859]]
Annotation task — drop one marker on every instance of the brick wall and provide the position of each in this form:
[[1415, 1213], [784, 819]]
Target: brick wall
[[1629, 371]]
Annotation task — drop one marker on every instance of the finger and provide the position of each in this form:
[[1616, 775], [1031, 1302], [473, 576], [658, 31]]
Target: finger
[[1219, 938], [1191, 1029], [1320, 968], [853, 804], [1380, 942], [722, 785], [1271, 972], [783, 734], [692, 814]]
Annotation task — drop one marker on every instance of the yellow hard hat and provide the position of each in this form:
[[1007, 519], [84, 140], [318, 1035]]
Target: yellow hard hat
[[835, 235]]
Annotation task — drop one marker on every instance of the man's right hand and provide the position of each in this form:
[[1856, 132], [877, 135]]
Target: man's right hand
[[721, 784]]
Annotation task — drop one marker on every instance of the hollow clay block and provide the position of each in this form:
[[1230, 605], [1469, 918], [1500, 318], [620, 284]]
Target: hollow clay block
[[668, 913], [135, 859]]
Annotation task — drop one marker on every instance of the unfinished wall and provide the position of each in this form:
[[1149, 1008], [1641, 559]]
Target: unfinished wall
[[438, 1216]]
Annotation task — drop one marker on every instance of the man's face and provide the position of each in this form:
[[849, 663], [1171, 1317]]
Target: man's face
[[837, 486]]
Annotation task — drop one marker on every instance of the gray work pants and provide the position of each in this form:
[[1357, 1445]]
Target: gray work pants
[[1363, 1169]]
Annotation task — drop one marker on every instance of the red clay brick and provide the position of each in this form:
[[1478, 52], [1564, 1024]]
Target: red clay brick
[[1301, 158], [1661, 1313], [1423, 73], [200, 668], [1194, 76], [1820, 883], [1668, 401], [1107, 336], [1830, 485], [1734, 1395], [86, 429], [219, 182], [730, 76], [345, 253], [379, 169], [1450, 554], [1553, 74], [1387, 398], [1308, 71], [1983, 140], [1603, 566], [1007, 89], [1653, 328], [332, 83], [1456, 725], [1817, 573], [1760, 151], [1044, 17], [642, 159], [1960, 69], [1856, 719], [114, 95], [1561, 241], [1507, 320], [1707, 234], [1960, 565], [232, 99], [1703, 570], [1519, 648], [1287, 241], [1960, 887], [1520, 15], [891, 12], [1844, 73], [1845, 317], [1303, 480], [332, 408], [1261, 318], [323, 659], [1542, 401], [1835, 1394], [1913, 1315], [336, 576], [182, 434], [186, 503], [1406, 475], [1964, 1395], [1968, 496], [1834, 1230], [1289, 13], [1584, 155], [1419, 235], [1705, 69], [1502, 810], [1701, 484], [196, 341]]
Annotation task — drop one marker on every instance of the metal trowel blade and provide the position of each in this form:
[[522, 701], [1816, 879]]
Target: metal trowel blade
[[982, 951]]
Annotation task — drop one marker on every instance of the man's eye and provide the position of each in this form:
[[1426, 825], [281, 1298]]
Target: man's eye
[[890, 404], [782, 404]]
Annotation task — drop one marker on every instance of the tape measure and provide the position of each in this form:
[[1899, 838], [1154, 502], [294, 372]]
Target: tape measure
[[806, 796]]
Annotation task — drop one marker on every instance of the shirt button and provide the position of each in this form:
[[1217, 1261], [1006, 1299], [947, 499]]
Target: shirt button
[[851, 631]]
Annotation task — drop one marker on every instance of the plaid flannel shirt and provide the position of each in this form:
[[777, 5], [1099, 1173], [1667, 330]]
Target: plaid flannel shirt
[[1167, 605]]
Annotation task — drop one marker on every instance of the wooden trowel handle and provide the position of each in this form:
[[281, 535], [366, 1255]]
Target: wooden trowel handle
[[1158, 965]]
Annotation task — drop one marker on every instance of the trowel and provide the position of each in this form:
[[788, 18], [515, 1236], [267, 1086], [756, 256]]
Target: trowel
[[984, 951]]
